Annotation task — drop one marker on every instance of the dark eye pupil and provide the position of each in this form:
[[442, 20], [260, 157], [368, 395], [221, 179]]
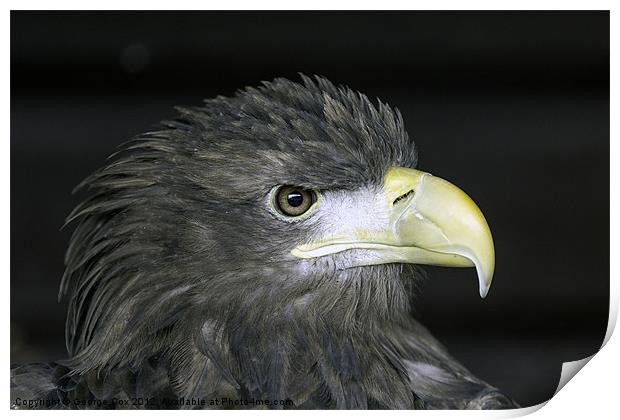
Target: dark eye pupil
[[295, 199]]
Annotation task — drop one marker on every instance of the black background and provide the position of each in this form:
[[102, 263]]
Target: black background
[[513, 107]]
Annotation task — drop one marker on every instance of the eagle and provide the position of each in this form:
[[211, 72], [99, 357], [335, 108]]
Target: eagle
[[262, 251]]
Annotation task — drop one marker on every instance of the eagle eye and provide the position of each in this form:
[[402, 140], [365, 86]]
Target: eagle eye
[[294, 201]]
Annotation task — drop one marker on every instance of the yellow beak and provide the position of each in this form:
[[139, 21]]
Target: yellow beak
[[427, 221]]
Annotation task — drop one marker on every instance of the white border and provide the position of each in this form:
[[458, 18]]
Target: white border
[[594, 393]]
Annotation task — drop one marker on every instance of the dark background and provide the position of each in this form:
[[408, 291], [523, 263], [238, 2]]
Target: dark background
[[512, 107]]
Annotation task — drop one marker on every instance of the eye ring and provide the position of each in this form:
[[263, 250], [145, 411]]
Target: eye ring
[[292, 201]]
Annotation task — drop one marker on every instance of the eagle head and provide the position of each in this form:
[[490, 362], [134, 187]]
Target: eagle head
[[260, 227]]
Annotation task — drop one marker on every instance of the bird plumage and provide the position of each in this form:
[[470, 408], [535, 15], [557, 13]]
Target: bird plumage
[[181, 285]]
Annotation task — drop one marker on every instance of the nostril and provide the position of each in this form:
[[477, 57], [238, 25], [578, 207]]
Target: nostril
[[403, 197]]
